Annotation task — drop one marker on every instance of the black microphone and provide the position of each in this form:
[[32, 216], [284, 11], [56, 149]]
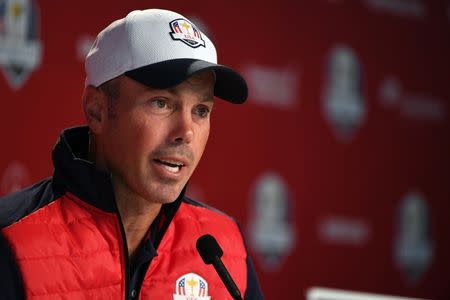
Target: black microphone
[[211, 253]]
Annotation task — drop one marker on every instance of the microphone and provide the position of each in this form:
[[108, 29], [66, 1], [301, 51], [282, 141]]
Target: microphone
[[210, 251]]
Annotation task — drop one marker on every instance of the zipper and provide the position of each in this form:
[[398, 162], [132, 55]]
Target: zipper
[[125, 254]]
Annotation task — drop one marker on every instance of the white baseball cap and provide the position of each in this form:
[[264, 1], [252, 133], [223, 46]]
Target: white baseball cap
[[159, 48]]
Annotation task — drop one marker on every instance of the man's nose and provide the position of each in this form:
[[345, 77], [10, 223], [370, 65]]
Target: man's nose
[[183, 131]]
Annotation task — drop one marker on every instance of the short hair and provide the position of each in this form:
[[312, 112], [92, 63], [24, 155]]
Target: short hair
[[111, 88]]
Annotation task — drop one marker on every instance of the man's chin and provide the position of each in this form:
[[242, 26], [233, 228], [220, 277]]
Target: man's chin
[[165, 195]]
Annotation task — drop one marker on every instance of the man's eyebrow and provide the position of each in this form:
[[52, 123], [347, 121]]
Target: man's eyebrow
[[206, 97]]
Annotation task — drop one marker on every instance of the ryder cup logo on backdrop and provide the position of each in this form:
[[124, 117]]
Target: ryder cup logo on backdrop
[[414, 245], [191, 287], [20, 48], [344, 104], [271, 228], [185, 31]]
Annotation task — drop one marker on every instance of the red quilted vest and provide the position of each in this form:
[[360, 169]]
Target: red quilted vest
[[69, 249]]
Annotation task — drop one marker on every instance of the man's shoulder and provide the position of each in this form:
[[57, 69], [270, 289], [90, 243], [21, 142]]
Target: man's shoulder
[[17, 205], [194, 219], [202, 209], [207, 219]]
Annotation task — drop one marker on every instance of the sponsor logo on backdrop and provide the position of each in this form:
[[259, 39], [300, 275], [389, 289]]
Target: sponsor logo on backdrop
[[20, 47], [271, 229], [341, 230], [271, 86], [14, 178], [413, 248], [409, 105], [191, 287], [343, 102], [404, 8], [390, 92]]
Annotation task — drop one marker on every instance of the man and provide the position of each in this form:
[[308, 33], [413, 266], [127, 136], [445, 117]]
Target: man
[[113, 221]]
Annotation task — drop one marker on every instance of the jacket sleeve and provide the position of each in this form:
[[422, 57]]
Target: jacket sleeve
[[11, 286]]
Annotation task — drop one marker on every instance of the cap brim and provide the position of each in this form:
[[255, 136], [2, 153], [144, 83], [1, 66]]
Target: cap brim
[[230, 85]]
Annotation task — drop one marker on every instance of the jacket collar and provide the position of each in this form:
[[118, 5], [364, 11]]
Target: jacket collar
[[77, 174]]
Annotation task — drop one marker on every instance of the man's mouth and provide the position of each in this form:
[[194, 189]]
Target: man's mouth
[[170, 165]]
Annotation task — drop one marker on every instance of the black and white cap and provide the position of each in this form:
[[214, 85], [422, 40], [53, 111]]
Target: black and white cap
[[159, 48]]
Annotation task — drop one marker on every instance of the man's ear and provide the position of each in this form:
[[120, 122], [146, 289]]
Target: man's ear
[[95, 107]]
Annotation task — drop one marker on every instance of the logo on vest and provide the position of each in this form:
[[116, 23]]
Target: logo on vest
[[191, 287]]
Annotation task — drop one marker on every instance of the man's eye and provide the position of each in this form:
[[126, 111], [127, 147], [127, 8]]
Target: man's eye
[[159, 103], [202, 111]]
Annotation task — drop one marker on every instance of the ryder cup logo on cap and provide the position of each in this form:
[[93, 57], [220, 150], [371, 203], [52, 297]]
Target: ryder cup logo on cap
[[191, 287], [160, 49], [186, 32]]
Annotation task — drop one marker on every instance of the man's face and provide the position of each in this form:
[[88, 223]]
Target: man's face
[[156, 138]]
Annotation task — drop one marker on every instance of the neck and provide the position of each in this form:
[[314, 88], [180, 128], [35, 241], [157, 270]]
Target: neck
[[137, 216]]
